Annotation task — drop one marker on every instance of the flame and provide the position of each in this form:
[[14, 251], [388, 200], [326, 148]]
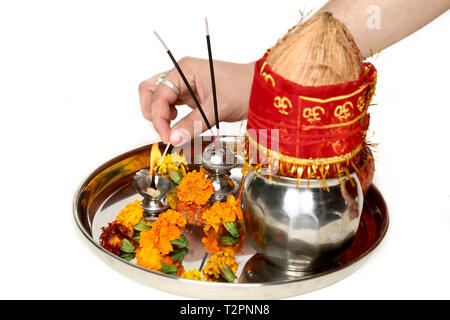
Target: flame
[[155, 157]]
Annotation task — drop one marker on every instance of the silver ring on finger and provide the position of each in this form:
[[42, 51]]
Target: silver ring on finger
[[163, 80]]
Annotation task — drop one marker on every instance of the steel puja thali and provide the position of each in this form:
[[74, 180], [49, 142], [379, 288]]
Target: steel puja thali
[[110, 187]]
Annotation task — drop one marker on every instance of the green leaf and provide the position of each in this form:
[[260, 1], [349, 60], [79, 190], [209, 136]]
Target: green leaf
[[227, 273], [128, 256], [182, 242], [141, 226], [228, 240], [127, 246], [168, 269], [179, 254], [136, 237], [232, 228], [175, 175]]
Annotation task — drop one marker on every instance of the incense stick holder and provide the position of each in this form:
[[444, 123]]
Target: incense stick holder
[[153, 205], [218, 160]]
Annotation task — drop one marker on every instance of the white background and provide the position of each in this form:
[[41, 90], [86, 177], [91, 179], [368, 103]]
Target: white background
[[69, 72]]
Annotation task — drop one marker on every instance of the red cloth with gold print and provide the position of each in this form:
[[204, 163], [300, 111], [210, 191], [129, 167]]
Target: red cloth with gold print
[[320, 129]]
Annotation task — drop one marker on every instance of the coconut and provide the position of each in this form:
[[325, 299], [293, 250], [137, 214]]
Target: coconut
[[320, 51]]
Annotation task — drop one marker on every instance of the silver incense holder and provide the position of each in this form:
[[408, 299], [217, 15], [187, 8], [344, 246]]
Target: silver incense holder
[[218, 160], [153, 206]]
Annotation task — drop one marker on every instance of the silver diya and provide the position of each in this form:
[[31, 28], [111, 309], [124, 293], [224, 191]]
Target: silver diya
[[111, 186], [152, 205]]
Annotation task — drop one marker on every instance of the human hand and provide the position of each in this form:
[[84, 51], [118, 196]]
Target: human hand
[[233, 83]]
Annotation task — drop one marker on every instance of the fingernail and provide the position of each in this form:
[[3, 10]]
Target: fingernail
[[176, 138]]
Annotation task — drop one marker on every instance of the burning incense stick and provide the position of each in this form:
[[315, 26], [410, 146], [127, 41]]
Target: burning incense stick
[[185, 81], [162, 158]]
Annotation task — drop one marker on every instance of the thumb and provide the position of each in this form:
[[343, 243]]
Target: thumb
[[192, 125]]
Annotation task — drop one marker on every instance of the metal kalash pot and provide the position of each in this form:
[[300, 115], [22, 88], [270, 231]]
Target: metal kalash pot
[[301, 227]]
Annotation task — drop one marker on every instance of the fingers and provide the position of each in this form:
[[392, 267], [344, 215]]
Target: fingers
[[162, 106], [146, 89], [158, 102], [192, 125]]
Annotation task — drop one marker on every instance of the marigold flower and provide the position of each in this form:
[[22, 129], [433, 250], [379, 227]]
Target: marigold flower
[[112, 235], [173, 161], [131, 214], [216, 264], [193, 275], [172, 217], [172, 199], [195, 188], [211, 242], [164, 230], [221, 213], [149, 257], [192, 212]]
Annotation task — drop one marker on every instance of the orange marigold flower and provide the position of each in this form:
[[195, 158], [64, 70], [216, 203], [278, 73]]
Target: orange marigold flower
[[192, 212], [164, 230], [220, 213], [211, 242], [149, 257], [216, 262], [172, 217], [131, 214], [195, 188]]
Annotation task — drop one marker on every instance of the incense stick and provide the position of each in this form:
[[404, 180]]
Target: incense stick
[[213, 79], [186, 82], [162, 158]]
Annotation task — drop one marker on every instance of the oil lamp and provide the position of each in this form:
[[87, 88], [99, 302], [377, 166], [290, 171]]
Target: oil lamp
[[153, 187], [155, 197]]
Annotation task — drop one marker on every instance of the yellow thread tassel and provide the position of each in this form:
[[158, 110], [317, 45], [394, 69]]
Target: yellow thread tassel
[[339, 177], [349, 177], [309, 176], [299, 175]]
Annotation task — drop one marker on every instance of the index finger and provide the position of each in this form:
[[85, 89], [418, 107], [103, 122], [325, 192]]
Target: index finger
[[161, 101]]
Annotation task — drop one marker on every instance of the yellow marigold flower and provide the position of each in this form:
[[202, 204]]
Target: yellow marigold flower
[[217, 262], [172, 199], [131, 214], [193, 275], [149, 257], [173, 161], [195, 188]]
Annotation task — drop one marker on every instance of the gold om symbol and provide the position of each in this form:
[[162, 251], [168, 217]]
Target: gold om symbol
[[282, 104], [266, 76], [342, 112], [313, 114], [284, 133]]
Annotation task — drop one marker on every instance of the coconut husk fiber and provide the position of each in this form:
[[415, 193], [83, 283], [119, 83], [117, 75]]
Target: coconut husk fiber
[[317, 52]]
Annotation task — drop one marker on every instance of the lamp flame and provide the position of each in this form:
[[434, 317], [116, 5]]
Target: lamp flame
[[155, 157]]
